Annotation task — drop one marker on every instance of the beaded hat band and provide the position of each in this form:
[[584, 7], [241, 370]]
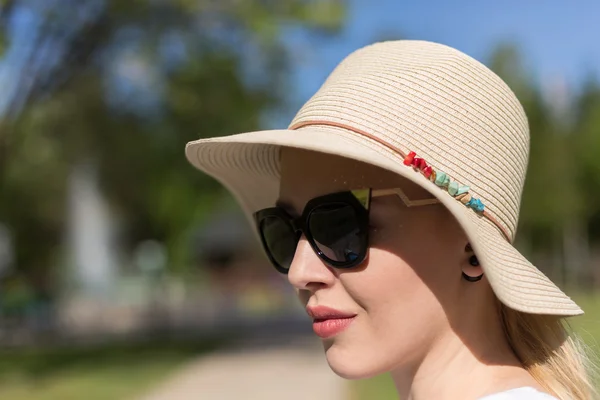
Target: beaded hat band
[[441, 179]]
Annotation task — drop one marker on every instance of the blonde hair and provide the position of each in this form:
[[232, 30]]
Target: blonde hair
[[550, 353]]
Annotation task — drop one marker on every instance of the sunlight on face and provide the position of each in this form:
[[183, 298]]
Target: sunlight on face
[[403, 291]]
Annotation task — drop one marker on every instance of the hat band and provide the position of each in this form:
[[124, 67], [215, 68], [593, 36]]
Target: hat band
[[459, 192]]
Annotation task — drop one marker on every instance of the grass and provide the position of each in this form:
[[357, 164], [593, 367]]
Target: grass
[[587, 327], [112, 371], [380, 387], [101, 383]]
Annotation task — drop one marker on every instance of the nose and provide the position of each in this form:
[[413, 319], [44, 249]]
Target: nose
[[307, 271]]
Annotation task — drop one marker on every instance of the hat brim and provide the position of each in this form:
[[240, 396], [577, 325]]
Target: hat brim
[[247, 165]]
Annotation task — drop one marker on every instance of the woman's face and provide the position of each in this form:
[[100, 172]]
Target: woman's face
[[408, 287]]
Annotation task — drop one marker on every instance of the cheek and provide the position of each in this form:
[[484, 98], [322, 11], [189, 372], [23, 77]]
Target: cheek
[[408, 277], [420, 247], [400, 317], [400, 290], [392, 294]]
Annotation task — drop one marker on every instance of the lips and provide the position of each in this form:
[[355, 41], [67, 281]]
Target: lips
[[328, 322]]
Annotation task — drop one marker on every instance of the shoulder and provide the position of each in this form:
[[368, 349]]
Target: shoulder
[[525, 393]]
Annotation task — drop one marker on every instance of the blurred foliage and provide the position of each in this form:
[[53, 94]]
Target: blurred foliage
[[121, 86], [587, 148]]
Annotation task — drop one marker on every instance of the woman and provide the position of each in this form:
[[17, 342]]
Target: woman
[[391, 203]]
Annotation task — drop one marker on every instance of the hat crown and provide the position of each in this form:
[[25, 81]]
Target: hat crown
[[440, 103]]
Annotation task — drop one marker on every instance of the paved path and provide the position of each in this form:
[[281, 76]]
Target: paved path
[[292, 373]]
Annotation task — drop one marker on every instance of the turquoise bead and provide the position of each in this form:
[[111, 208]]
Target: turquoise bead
[[453, 188], [463, 189], [476, 204], [441, 179]]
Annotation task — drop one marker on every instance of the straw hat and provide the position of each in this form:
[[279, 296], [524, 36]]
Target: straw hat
[[387, 100]]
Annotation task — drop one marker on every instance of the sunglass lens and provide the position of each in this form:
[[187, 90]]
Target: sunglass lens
[[337, 232], [280, 241]]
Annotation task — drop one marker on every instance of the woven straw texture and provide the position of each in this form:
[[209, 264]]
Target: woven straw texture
[[417, 96]]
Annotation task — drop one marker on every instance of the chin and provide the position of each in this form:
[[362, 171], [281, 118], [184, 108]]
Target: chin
[[351, 365]]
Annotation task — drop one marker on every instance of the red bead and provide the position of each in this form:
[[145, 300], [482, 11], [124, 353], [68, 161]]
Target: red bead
[[419, 163], [409, 158], [427, 171]]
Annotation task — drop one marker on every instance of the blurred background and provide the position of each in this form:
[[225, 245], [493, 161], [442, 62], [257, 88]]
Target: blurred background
[[127, 274]]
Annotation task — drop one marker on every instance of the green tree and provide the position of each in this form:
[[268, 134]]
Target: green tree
[[124, 85]]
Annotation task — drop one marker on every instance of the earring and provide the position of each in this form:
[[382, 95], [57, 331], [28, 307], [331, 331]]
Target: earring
[[472, 278], [474, 262]]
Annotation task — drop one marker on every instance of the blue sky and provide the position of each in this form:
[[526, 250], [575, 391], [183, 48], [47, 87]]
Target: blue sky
[[559, 39]]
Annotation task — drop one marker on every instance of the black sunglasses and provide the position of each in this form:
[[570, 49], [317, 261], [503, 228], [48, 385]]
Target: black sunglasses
[[336, 226]]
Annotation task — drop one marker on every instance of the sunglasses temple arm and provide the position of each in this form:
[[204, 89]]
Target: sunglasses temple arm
[[408, 202]]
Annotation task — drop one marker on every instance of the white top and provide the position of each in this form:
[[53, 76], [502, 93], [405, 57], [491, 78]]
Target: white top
[[524, 393]]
